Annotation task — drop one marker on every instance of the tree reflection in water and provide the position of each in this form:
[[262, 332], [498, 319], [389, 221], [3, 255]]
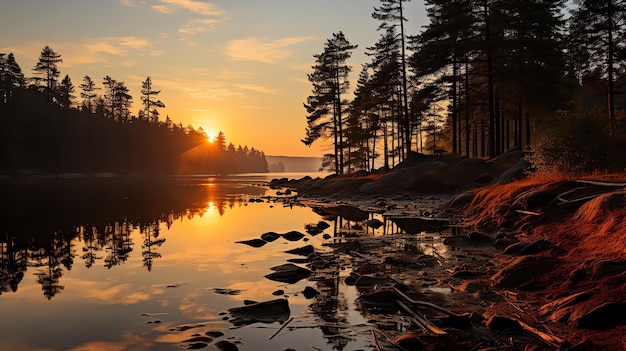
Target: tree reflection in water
[[45, 220]]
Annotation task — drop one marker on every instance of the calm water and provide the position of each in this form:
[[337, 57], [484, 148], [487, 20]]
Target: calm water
[[139, 264]]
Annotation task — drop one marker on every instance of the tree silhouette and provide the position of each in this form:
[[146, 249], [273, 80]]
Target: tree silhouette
[[88, 94], [47, 67], [150, 105], [325, 107]]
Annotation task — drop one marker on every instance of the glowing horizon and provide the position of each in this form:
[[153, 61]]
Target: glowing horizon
[[236, 67]]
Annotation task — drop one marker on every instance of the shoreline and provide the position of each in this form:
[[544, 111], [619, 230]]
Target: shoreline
[[524, 262]]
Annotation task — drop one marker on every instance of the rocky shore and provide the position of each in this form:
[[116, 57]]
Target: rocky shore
[[485, 258]]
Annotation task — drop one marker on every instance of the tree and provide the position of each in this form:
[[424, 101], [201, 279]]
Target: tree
[[109, 96], [386, 86], [440, 50], [391, 15], [88, 95], [532, 63], [121, 102], [325, 106], [47, 67], [66, 88], [11, 77], [150, 105], [600, 27]]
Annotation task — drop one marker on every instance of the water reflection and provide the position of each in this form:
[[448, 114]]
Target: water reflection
[[48, 224]]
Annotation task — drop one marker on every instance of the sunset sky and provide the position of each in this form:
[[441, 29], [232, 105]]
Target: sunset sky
[[235, 66]]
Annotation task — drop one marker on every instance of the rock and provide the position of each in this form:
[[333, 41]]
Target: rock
[[309, 292], [253, 242], [605, 316], [515, 173], [293, 236], [214, 333], [265, 312], [226, 345], [409, 342], [379, 298], [321, 225], [312, 229], [270, 236], [288, 273], [302, 251], [523, 271]]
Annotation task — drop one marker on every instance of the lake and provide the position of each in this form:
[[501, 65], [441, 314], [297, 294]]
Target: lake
[[135, 263]]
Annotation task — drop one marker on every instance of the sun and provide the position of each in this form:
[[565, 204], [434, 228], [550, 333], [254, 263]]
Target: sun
[[211, 135]]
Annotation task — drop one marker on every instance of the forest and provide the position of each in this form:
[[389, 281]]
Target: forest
[[482, 77], [45, 129]]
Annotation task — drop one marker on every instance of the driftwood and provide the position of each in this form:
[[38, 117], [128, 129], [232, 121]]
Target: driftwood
[[426, 304], [422, 320]]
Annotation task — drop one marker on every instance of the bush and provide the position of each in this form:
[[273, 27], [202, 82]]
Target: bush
[[575, 142]]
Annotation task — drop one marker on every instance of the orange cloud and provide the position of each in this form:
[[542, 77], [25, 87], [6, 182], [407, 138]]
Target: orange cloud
[[262, 49], [201, 8]]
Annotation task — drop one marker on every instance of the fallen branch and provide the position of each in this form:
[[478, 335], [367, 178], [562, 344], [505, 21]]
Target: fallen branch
[[425, 304], [281, 328], [421, 319]]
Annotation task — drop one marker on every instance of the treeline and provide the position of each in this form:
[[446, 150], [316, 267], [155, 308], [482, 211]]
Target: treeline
[[44, 128], [481, 77]]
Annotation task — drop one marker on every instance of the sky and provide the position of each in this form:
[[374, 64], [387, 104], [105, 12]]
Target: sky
[[234, 66]]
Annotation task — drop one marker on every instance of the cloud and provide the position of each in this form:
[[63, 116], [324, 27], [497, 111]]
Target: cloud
[[226, 74], [119, 46], [206, 90], [200, 8], [198, 26], [259, 89], [262, 49]]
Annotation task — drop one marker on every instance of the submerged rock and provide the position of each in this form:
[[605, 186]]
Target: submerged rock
[[293, 236], [288, 273], [253, 242], [226, 345], [270, 236], [302, 251], [265, 312]]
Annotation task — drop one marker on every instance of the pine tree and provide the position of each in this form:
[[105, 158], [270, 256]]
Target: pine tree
[[600, 27], [47, 67], [65, 91], [88, 94], [326, 106], [150, 105], [11, 77], [391, 15]]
